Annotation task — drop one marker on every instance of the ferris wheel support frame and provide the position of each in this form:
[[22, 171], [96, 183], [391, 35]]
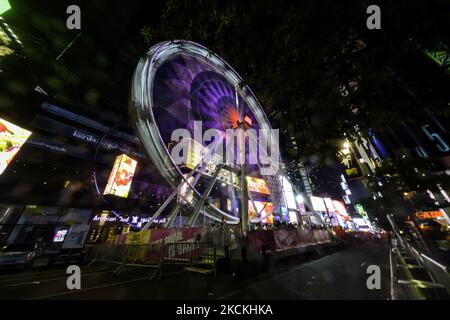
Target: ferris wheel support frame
[[177, 191], [201, 202]]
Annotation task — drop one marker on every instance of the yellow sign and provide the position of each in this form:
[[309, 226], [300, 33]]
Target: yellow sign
[[141, 237], [121, 176]]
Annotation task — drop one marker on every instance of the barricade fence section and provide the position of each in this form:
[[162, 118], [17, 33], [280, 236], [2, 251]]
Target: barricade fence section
[[155, 253], [194, 246], [276, 240], [421, 276]]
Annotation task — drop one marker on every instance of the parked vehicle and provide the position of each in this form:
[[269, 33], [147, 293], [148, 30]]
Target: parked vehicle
[[17, 255]]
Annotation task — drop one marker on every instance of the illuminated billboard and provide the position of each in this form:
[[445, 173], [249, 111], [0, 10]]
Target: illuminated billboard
[[340, 209], [257, 185], [60, 235], [360, 223], [329, 205], [288, 193], [12, 138], [262, 213], [363, 213], [318, 204], [121, 176], [293, 217]]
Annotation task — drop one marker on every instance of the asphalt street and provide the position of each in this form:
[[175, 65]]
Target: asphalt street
[[341, 274]]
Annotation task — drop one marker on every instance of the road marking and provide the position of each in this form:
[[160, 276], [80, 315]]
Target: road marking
[[51, 279], [391, 274], [58, 272], [21, 276], [88, 289]]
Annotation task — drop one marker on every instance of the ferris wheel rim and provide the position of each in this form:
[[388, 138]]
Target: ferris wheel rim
[[155, 57]]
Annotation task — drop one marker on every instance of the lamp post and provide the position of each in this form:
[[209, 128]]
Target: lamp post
[[244, 214]]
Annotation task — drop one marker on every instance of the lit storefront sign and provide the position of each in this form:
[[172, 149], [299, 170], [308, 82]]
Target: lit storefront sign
[[12, 138], [107, 217], [428, 214], [361, 223], [121, 176], [363, 213], [60, 235]]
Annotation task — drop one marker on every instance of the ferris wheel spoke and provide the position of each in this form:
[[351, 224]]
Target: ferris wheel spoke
[[254, 205], [200, 204], [200, 167], [233, 193]]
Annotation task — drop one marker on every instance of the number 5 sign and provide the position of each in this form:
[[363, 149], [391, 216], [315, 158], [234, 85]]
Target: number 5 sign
[[441, 144]]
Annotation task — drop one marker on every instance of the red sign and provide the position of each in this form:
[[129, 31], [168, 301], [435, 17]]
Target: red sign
[[428, 214], [161, 242]]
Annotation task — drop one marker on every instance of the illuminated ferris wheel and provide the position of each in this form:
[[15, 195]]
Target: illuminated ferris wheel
[[181, 85]]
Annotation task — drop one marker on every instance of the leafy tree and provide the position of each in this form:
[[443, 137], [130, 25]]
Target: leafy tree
[[299, 57]]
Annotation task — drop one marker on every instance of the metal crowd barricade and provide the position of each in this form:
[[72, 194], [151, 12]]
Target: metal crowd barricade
[[192, 253], [409, 260], [439, 271], [155, 255], [420, 271]]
